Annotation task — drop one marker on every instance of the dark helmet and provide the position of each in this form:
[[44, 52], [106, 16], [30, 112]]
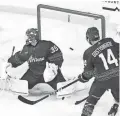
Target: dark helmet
[[92, 34], [32, 35]]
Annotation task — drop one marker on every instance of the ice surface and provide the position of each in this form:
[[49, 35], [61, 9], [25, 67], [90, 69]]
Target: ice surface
[[10, 106]]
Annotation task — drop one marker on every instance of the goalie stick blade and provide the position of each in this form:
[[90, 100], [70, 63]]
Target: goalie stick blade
[[24, 100]]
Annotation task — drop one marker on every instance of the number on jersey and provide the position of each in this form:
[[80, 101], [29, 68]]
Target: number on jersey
[[54, 49], [110, 59]]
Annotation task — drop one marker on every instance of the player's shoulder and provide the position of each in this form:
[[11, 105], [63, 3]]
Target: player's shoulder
[[87, 52], [106, 39], [113, 41], [26, 47], [46, 42], [43, 43], [110, 41]]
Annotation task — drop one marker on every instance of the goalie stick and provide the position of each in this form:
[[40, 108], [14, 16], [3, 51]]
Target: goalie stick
[[21, 98], [13, 49]]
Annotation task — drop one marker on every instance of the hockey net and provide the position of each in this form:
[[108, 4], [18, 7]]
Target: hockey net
[[67, 29]]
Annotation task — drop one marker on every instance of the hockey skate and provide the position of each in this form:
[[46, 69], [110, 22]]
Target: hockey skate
[[113, 110]]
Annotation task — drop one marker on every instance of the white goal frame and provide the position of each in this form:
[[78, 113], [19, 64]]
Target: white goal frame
[[87, 14]]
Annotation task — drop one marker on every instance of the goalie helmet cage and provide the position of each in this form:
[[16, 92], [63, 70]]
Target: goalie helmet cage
[[86, 14]]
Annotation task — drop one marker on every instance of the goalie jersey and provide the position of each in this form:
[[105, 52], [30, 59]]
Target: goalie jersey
[[102, 60], [37, 56]]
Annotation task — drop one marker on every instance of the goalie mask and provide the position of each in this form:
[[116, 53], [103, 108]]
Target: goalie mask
[[32, 36], [92, 34]]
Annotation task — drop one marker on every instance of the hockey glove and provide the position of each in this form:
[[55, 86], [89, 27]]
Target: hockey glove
[[50, 72], [82, 78]]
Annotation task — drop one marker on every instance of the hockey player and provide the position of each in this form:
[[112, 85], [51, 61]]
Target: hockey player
[[101, 61], [44, 58]]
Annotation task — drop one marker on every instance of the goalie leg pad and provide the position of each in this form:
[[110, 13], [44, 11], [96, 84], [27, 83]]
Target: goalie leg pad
[[19, 86], [14, 85], [67, 91], [41, 88], [2, 84]]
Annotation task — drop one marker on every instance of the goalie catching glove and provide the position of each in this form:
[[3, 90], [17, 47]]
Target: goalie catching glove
[[10, 83], [50, 72]]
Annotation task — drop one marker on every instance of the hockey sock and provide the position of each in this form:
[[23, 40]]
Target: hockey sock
[[88, 109]]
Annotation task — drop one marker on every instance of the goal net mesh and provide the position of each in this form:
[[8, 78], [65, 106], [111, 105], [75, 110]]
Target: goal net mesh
[[67, 30]]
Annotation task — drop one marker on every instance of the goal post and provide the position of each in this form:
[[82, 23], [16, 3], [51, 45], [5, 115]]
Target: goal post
[[67, 29]]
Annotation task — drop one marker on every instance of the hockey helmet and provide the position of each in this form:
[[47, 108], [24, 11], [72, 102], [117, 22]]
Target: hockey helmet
[[32, 35], [92, 34]]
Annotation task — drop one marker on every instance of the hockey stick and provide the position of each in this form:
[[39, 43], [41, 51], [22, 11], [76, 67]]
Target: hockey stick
[[21, 98], [78, 102], [13, 49]]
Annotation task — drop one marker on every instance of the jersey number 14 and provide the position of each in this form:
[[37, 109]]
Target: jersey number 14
[[110, 59]]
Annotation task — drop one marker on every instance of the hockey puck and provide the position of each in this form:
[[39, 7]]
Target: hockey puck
[[63, 98], [71, 49]]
